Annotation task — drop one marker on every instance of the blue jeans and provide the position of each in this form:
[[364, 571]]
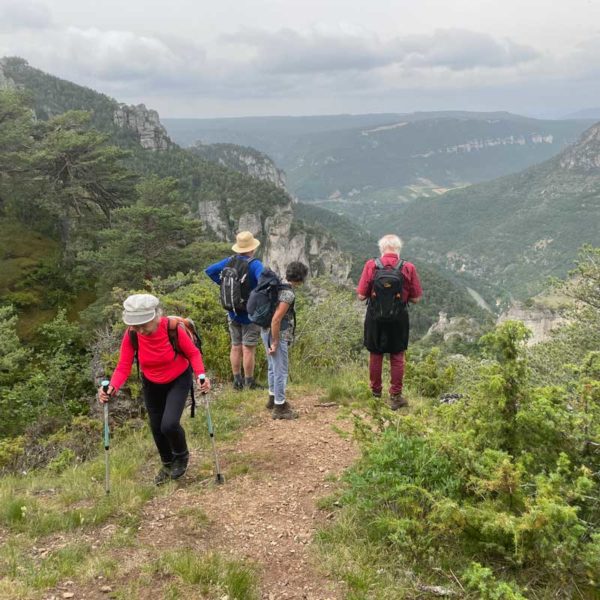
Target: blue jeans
[[278, 367]]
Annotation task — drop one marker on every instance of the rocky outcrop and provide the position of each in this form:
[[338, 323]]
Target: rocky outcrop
[[283, 239], [145, 123], [585, 154], [540, 319], [451, 329], [6, 83], [243, 159]]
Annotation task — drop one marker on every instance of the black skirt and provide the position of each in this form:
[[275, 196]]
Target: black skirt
[[384, 338]]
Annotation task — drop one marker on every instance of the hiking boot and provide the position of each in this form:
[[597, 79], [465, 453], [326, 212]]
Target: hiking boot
[[252, 384], [179, 466], [284, 411], [270, 402], [238, 382], [397, 401], [376, 394], [164, 474]]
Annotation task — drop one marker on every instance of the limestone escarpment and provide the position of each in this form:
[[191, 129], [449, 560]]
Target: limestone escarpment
[[242, 159], [539, 319], [283, 240], [145, 123]]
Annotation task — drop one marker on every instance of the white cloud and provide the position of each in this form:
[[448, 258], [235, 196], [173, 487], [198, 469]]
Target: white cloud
[[19, 15]]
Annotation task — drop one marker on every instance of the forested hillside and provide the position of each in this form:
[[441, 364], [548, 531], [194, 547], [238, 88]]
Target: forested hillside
[[393, 157], [515, 231]]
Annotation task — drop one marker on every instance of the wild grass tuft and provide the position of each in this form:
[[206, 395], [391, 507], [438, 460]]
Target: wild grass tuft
[[210, 573]]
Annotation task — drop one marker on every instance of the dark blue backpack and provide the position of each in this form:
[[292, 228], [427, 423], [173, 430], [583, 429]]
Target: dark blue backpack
[[263, 299]]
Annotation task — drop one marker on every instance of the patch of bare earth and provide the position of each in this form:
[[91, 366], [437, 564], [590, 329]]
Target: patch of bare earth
[[269, 514]]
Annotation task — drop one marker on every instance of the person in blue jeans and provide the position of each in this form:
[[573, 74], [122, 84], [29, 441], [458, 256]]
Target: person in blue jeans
[[244, 334], [278, 338]]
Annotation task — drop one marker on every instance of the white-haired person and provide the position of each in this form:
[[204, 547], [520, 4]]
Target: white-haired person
[[388, 283], [166, 377]]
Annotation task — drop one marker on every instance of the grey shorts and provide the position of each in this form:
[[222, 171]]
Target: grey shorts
[[248, 335]]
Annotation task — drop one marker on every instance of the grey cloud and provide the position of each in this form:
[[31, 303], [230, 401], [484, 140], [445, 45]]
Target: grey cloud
[[24, 15], [459, 49], [295, 70], [288, 51]]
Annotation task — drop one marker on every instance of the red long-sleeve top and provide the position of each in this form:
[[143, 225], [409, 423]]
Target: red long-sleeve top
[[158, 360], [411, 288]]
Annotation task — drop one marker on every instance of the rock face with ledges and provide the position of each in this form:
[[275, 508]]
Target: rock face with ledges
[[585, 155], [145, 123], [6, 83], [283, 239], [540, 320], [242, 159]]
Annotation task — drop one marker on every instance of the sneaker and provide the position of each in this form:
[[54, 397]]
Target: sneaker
[[398, 401], [179, 467], [270, 402], [238, 382], [284, 411], [163, 475]]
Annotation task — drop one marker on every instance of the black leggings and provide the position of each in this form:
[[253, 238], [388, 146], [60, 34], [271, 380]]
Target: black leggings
[[165, 403]]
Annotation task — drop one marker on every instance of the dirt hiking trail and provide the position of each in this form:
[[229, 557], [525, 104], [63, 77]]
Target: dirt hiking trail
[[267, 514]]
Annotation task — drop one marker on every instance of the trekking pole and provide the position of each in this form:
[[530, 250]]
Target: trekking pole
[[105, 384], [211, 433]]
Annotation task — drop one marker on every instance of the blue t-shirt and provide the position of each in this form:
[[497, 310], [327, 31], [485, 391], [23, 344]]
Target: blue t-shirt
[[254, 270]]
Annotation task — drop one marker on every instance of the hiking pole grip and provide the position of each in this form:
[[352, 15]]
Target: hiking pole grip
[[105, 384]]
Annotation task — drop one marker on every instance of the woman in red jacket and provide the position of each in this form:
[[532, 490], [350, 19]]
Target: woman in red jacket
[[166, 378]]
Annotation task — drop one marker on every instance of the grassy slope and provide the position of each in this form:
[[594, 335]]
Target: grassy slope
[[57, 524]]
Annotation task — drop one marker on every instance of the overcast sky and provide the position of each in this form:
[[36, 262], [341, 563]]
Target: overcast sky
[[281, 57]]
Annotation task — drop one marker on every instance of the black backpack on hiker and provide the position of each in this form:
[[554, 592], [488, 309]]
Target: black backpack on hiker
[[385, 303], [263, 299], [235, 284], [173, 325]]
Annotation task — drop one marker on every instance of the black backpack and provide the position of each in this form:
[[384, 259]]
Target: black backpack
[[173, 324], [385, 303], [263, 299], [235, 284]]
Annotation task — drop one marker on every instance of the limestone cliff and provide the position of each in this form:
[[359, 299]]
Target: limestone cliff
[[462, 329], [283, 239], [585, 155], [243, 159], [6, 82], [540, 319], [145, 123]]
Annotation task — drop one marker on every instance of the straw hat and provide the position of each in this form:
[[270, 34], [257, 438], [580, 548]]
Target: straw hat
[[245, 242], [139, 309]]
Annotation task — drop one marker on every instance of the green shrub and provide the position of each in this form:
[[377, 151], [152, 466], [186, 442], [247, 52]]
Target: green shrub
[[429, 377]]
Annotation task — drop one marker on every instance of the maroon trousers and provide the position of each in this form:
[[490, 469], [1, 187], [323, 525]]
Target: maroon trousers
[[397, 372]]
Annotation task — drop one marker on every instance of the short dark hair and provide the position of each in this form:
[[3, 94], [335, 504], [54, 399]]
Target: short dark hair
[[296, 271]]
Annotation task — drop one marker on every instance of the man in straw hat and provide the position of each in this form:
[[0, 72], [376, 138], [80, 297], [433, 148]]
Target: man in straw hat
[[237, 275]]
